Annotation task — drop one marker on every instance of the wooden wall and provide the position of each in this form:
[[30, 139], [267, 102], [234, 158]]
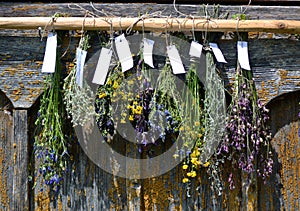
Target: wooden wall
[[275, 60]]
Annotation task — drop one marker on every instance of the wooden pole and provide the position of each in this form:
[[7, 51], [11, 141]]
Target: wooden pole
[[150, 24]]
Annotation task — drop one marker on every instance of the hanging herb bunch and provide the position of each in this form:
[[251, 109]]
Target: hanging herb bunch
[[104, 98], [166, 103], [51, 142], [247, 141], [192, 127], [78, 99], [133, 97], [212, 124]]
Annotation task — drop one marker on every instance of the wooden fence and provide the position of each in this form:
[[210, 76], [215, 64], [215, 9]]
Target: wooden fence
[[274, 58]]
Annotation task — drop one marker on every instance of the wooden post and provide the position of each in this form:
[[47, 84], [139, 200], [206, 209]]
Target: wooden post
[[19, 156]]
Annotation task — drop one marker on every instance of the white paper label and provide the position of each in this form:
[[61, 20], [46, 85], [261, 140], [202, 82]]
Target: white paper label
[[148, 48], [217, 52], [80, 59], [124, 53], [242, 47], [175, 60], [50, 54], [102, 66], [196, 49]]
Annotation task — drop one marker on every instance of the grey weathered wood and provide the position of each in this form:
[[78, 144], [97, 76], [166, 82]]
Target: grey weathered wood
[[275, 65], [284, 182], [9, 9], [6, 137], [19, 157]]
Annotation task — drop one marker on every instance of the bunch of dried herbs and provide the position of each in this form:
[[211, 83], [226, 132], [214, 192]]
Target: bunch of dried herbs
[[79, 101], [51, 142]]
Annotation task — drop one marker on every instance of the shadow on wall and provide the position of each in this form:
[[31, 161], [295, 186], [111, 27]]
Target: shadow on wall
[[284, 109], [5, 103], [281, 191]]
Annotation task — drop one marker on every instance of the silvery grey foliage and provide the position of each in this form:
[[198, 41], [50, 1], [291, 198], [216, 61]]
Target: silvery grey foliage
[[79, 100]]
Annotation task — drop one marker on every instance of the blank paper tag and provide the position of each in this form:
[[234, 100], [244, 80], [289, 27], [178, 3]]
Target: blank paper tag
[[196, 49], [102, 66], [175, 60], [148, 48], [80, 59], [243, 57], [124, 53], [50, 54], [217, 52]]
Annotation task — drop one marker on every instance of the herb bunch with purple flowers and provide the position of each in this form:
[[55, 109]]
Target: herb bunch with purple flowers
[[247, 140], [51, 141], [142, 99]]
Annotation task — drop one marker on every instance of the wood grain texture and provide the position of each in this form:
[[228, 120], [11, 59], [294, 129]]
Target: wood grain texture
[[19, 156], [6, 167], [285, 183], [151, 24], [9, 9]]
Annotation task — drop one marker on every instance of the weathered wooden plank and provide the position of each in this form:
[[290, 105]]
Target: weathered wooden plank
[[238, 2], [281, 192], [275, 65], [9, 9], [6, 136], [19, 156]]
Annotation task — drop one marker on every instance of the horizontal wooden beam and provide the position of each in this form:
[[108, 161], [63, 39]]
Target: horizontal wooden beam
[[150, 24]]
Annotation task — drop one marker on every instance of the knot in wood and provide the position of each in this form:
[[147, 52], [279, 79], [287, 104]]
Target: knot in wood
[[281, 25]]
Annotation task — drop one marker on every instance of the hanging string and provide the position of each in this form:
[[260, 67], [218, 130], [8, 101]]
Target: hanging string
[[142, 18], [101, 12], [193, 29], [249, 3], [183, 14], [80, 8], [237, 29], [51, 21]]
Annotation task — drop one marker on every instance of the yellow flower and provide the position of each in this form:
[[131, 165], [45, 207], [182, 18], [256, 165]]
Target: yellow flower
[[195, 153], [131, 118], [195, 161], [123, 121], [130, 82], [138, 112], [109, 82], [185, 180], [116, 85], [181, 128], [193, 174], [102, 95], [185, 166], [197, 124], [135, 102], [189, 174], [206, 164]]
